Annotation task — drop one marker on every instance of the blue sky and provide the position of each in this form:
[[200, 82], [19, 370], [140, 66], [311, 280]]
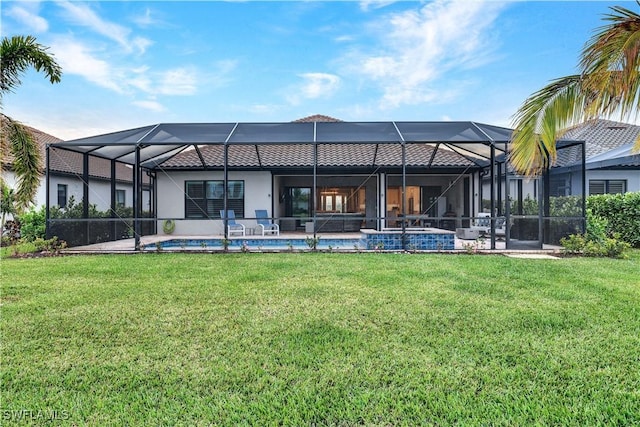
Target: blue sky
[[134, 63]]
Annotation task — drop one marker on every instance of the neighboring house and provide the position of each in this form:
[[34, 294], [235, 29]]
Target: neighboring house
[[611, 165], [66, 176]]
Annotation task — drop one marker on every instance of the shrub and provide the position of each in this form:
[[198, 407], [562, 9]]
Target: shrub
[[10, 232], [33, 224], [622, 211], [50, 246], [596, 241]]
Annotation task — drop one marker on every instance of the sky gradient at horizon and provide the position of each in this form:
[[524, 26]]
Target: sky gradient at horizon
[[131, 64]]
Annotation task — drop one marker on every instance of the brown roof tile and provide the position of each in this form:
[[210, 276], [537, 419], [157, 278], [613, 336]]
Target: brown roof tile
[[329, 155], [317, 118], [42, 139], [65, 161]]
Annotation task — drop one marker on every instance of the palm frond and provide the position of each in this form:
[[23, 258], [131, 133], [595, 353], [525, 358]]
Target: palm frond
[[611, 62], [17, 54], [26, 162], [539, 121]]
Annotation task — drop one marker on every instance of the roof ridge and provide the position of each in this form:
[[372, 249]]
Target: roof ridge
[[317, 118]]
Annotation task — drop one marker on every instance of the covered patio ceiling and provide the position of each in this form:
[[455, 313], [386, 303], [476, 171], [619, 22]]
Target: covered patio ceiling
[[472, 142]]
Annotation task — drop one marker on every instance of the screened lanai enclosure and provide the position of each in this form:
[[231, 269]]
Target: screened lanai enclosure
[[312, 178]]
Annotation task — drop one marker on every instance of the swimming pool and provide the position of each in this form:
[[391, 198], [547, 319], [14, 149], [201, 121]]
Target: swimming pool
[[250, 244], [389, 239]]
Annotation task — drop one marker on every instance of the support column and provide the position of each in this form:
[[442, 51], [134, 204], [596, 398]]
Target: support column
[[404, 192], [225, 199], [492, 207], [546, 206], [584, 188], [136, 200], [382, 200], [499, 185], [85, 196], [114, 222], [47, 190], [315, 185], [507, 204]]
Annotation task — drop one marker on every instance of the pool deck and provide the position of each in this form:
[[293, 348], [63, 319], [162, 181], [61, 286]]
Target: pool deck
[[128, 245]]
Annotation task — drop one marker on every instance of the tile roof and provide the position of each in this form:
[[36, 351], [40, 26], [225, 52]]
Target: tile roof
[[65, 161], [317, 118], [600, 136], [41, 138], [329, 155]]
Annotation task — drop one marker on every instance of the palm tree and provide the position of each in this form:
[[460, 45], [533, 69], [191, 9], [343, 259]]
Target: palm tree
[[17, 54], [608, 84]]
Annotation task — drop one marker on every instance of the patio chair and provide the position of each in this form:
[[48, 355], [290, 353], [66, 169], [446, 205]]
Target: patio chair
[[232, 226], [265, 224]]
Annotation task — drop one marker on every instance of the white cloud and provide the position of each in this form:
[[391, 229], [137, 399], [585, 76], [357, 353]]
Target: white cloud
[[141, 81], [76, 58], [35, 23], [319, 85], [420, 46], [141, 44], [179, 81], [344, 38], [146, 19], [365, 5], [150, 105], [313, 86], [82, 14]]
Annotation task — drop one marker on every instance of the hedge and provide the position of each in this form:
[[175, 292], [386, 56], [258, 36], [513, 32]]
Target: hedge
[[622, 211]]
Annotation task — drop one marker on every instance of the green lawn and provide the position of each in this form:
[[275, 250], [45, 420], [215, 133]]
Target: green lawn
[[320, 339]]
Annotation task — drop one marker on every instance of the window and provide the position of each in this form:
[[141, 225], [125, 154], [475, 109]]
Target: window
[[341, 199], [559, 187], [62, 195], [205, 199], [607, 186], [121, 197]]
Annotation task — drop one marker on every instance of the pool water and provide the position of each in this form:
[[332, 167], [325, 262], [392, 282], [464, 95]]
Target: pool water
[[394, 240], [258, 244]]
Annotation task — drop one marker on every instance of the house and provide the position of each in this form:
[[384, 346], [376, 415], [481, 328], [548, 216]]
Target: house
[[611, 165], [317, 174], [66, 176], [41, 139]]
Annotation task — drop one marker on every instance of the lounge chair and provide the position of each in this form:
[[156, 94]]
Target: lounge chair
[[265, 223], [232, 225]]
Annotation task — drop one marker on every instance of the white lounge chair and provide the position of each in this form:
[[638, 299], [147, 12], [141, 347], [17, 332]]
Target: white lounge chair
[[232, 226], [265, 223]]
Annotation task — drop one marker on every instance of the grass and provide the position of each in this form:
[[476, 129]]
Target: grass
[[320, 339]]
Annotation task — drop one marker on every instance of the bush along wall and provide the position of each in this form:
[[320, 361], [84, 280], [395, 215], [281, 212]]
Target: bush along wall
[[622, 212]]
